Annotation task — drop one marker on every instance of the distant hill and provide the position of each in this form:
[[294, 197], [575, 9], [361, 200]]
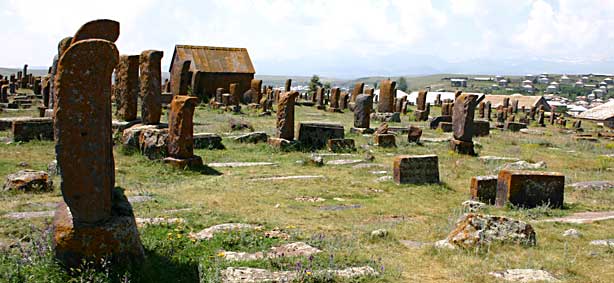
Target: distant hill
[[9, 71]]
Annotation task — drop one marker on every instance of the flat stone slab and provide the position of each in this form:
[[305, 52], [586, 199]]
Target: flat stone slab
[[157, 221], [607, 243], [497, 158], [29, 214], [593, 185], [435, 140], [339, 207], [208, 233], [248, 274], [137, 199], [287, 250], [240, 164], [280, 178], [344, 161], [524, 275], [309, 199], [583, 217], [523, 165], [414, 244], [368, 165]]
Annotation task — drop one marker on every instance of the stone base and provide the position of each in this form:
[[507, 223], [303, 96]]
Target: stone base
[[362, 131], [462, 147], [315, 135], [321, 107], [386, 117], [32, 129], [434, 123], [384, 140], [482, 128], [334, 110], [208, 141], [446, 127], [117, 239], [421, 115], [192, 162], [279, 143]]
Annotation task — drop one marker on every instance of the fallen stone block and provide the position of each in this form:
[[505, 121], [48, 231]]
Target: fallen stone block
[[32, 129], [484, 188], [530, 188], [208, 141], [28, 181], [415, 169], [316, 135]]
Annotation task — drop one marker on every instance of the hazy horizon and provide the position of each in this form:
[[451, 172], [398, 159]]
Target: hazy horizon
[[339, 39]]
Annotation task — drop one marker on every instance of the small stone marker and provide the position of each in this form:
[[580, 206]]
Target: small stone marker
[[28, 181], [24, 130], [514, 126], [362, 111], [335, 95], [341, 145], [422, 112], [484, 188], [208, 141], [530, 188], [416, 169], [414, 134], [481, 128]]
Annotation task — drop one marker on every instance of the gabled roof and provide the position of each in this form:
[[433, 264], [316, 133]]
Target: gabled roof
[[211, 59], [601, 112]]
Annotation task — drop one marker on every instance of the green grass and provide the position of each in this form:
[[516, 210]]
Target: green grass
[[409, 212]]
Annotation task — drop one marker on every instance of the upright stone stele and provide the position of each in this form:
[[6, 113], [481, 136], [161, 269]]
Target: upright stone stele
[[462, 123], [95, 221], [422, 113], [127, 90], [285, 115], [386, 96], [151, 86], [181, 133], [362, 111]]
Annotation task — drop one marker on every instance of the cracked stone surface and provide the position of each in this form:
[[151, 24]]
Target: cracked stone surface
[[344, 161], [208, 233], [524, 275], [158, 221], [583, 217], [252, 275], [240, 164], [287, 250], [280, 178]]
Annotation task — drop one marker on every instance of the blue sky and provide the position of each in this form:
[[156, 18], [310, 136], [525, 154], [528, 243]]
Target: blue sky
[[337, 38]]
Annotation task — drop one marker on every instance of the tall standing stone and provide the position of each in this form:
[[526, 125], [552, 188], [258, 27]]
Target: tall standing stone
[[462, 123], [94, 221], [387, 94], [181, 133], [233, 89], [62, 46], [100, 29], [151, 86], [288, 85], [285, 115], [127, 88], [4, 93], [185, 78], [515, 105], [421, 113], [506, 103], [320, 98], [335, 95], [362, 111], [481, 110], [488, 110]]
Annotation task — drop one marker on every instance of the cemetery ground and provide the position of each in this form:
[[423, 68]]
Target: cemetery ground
[[335, 210]]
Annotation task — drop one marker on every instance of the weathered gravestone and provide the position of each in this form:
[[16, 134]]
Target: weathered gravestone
[[422, 112], [335, 95], [183, 79], [484, 188], [415, 169], [488, 110], [514, 126], [316, 135], [94, 221], [181, 133], [530, 188], [320, 98], [462, 123], [387, 94], [24, 130], [253, 94], [343, 100], [151, 86], [285, 115], [481, 128], [362, 113], [414, 134], [127, 89]]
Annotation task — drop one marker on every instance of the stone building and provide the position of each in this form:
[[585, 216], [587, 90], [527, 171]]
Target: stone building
[[211, 68]]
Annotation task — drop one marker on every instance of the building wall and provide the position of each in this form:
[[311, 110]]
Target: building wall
[[205, 84]]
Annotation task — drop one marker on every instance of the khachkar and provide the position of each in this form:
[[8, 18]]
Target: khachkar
[[362, 114], [356, 91], [95, 221], [423, 108], [285, 115], [127, 89], [151, 86], [335, 95], [462, 122], [181, 133], [386, 96]]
